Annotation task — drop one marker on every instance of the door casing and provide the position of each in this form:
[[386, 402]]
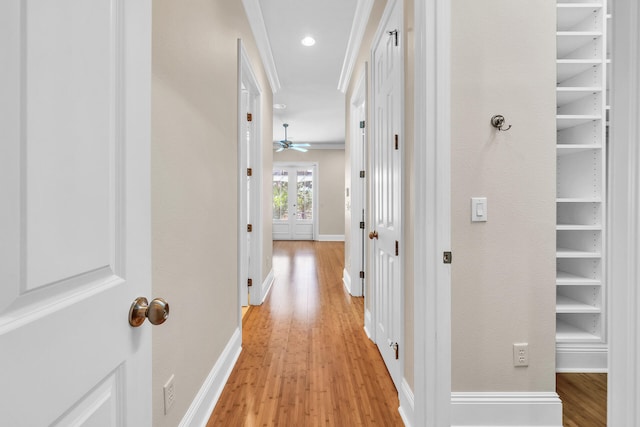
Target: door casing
[[249, 156]]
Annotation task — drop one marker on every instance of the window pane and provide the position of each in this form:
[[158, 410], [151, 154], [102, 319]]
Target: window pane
[[305, 194], [280, 194]]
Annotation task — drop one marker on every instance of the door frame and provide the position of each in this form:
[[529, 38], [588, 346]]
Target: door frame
[[316, 190], [247, 77], [432, 200], [624, 218], [358, 186], [371, 324]]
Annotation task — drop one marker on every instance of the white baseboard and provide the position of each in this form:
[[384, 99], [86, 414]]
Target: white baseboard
[[406, 403], [525, 409], [346, 280], [582, 358], [202, 406], [330, 238], [265, 287], [368, 326]]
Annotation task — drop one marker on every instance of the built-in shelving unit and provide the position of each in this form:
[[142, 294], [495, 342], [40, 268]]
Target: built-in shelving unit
[[581, 185]]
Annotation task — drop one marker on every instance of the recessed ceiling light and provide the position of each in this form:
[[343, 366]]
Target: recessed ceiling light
[[279, 106], [308, 41]]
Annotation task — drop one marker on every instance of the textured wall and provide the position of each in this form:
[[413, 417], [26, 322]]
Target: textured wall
[[194, 190], [503, 275]]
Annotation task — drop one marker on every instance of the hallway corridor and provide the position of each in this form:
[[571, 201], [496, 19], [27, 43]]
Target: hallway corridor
[[306, 360]]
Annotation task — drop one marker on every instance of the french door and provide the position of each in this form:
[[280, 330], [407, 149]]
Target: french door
[[294, 201]]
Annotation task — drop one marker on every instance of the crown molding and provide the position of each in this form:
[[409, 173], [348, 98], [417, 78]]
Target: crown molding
[[256, 22], [360, 20]]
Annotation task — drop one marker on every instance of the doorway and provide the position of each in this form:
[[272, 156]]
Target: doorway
[[294, 201]]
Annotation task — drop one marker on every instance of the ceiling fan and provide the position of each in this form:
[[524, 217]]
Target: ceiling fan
[[285, 144]]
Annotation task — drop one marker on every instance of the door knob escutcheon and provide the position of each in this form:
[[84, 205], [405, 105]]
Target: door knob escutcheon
[[157, 311]]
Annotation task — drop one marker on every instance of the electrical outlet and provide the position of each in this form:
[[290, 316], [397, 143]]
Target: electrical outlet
[[521, 354], [169, 395]]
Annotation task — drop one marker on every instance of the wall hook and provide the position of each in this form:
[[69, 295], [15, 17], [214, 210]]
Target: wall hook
[[497, 122]]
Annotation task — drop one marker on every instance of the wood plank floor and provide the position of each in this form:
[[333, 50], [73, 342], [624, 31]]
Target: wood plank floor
[[584, 399], [306, 360]]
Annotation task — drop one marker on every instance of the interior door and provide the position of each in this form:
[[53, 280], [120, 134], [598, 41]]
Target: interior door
[[386, 187], [74, 222], [294, 206]]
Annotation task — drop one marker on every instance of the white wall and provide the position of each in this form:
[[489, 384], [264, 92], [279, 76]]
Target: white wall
[[330, 186], [503, 274], [194, 190]]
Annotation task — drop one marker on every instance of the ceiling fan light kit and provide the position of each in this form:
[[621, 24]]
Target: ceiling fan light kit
[[285, 144]]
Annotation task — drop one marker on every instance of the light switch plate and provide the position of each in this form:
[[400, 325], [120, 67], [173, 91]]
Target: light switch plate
[[478, 209]]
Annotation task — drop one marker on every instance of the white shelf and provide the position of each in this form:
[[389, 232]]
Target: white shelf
[[569, 279], [566, 121], [579, 200], [568, 305], [581, 98], [572, 14], [574, 253], [567, 68], [570, 41], [569, 333], [566, 149], [574, 227], [567, 95]]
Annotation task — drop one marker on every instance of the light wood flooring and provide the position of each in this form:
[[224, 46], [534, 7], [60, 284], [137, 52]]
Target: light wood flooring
[[306, 360], [584, 399]]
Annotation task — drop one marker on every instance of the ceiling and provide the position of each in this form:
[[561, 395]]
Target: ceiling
[[309, 76]]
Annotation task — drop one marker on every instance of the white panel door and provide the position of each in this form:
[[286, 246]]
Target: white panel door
[[74, 222], [386, 187]]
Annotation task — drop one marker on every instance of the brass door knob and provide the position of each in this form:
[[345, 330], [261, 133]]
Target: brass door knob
[[373, 235], [157, 311]]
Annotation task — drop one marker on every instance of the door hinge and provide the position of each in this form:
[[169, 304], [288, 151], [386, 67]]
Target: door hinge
[[249, 282], [362, 174], [396, 347], [362, 124], [249, 228], [249, 117], [396, 141], [397, 248], [394, 33], [447, 257], [249, 172], [362, 225], [362, 274]]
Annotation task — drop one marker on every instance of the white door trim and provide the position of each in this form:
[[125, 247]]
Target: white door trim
[[247, 77], [624, 217], [432, 199], [358, 189]]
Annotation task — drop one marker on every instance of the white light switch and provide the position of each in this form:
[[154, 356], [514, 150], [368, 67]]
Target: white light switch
[[478, 209]]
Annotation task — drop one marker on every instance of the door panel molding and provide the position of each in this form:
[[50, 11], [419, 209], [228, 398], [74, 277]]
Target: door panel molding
[[387, 181]]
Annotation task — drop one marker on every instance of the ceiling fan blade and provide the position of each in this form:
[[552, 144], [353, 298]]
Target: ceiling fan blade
[[280, 149], [304, 144], [302, 150]]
